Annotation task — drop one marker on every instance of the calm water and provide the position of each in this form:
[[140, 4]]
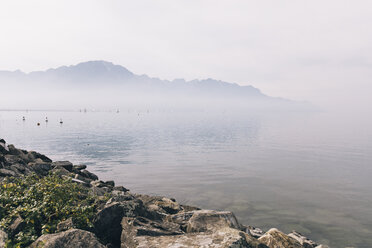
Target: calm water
[[309, 172]]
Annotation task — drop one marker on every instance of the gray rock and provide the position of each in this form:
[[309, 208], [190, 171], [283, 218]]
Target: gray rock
[[3, 148], [65, 164], [276, 239], [121, 188], [188, 208], [21, 169], [110, 183], [107, 224], [254, 231], [41, 168], [72, 238], [120, 198], [3, 238], [80, 167], [208, 220], [13, 159], [141, 226], [98, 184], [181, 218], [170, 206], [118, 193], [154, 212], [87, 180], [88, 174], [2, 161], [14, 151], [99, 191], [222, 238], [35, 155], [305, 242], [60, 171], [7, 173]]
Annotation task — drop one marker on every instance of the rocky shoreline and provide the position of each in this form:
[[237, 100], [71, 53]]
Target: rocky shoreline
[[127, 220]]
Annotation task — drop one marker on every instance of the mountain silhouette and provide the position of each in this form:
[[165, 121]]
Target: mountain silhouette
[[101, 82]]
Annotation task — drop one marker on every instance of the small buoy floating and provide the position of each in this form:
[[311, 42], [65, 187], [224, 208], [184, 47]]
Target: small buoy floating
[[46, 119], [38, 123], [61, 122]]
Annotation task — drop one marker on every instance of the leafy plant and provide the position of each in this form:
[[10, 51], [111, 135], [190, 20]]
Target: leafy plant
[[42, 203]]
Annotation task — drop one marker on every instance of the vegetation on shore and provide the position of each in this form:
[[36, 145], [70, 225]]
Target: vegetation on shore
[[41, 203]]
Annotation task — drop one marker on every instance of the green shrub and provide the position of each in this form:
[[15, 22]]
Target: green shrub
[[43, 202]]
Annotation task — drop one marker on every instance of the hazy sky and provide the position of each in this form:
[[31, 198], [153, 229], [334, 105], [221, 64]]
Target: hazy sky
[[318, 50]]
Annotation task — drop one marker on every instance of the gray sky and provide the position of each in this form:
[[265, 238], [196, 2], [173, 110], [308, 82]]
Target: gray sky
[[318, 50]]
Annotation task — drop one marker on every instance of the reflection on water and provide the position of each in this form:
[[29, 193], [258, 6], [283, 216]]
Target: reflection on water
[[308, 172]]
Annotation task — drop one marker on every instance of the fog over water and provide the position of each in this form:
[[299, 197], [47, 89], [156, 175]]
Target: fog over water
[[304, 171]]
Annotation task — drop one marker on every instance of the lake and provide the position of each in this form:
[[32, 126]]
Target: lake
[[309, 172]]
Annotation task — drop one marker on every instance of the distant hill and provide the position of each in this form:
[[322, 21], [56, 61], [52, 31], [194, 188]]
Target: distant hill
[[104, 84]]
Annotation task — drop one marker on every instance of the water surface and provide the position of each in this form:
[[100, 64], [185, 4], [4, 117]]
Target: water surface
[[305, 171]]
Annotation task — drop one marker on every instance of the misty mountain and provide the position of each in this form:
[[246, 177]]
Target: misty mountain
[[103, 84]]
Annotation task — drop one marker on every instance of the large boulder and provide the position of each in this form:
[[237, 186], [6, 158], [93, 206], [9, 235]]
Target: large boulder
[[200, 228], [107, 223], [72, 238], [3, 147], [222, 238], [276, 239]]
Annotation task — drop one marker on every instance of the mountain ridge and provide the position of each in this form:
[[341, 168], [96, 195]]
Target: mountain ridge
[[97, 69], [104, 84]]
